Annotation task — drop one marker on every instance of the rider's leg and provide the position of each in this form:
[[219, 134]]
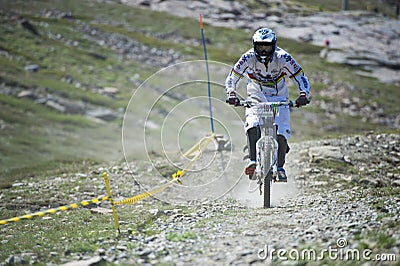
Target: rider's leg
[[253, 134], [283, 148], [283, 123]]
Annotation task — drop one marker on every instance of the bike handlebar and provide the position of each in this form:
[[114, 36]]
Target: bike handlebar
[[250, 103]]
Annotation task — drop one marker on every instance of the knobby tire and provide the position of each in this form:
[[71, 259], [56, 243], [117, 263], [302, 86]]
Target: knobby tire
[[267, 174], [267, 190]]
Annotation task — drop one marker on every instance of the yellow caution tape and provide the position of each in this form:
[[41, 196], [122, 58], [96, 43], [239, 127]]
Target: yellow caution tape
[[55, 210], [199, 146], [144, 195]]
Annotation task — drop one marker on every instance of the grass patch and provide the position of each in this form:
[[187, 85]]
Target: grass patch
[[78, 232], [67, 234], [43, 170], [22, 111]]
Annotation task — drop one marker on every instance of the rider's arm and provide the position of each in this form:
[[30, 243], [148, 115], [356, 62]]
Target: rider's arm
[[236, 74], [295, 72]]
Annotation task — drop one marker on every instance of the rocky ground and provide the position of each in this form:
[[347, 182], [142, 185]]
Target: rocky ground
[[342, 196]]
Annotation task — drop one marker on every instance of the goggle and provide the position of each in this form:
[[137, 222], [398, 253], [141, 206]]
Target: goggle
[[263, 49]]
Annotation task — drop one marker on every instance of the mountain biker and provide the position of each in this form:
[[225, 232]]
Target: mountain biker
[[266, 67]]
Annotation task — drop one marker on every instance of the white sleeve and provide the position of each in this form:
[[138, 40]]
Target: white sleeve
[[302, 83], [236, 74], [295, 72], [231, 81]]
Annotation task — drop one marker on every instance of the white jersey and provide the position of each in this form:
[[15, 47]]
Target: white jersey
[[267, 81]]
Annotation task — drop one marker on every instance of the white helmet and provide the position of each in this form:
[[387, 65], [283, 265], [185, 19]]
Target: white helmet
[[264, 43]]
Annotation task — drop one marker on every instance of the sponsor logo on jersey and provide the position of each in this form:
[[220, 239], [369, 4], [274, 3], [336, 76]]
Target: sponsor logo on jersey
[[305, 82], [287, 57]]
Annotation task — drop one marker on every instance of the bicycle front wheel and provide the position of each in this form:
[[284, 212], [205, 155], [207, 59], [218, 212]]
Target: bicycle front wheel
[[266, 160], [267, 190]]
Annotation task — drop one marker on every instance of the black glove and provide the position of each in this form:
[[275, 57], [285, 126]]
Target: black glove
[[232, 99], [302, 100]]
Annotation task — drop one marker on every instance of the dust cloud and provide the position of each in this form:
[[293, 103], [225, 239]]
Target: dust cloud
[[247, 192]]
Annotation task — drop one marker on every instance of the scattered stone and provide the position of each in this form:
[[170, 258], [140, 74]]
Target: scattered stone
[[32, 68], [56, 106], [89, 262], [100, 210], [101, 252], [14, 260], [109, 91], [122, 248], [25, 94], [103, 114]]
